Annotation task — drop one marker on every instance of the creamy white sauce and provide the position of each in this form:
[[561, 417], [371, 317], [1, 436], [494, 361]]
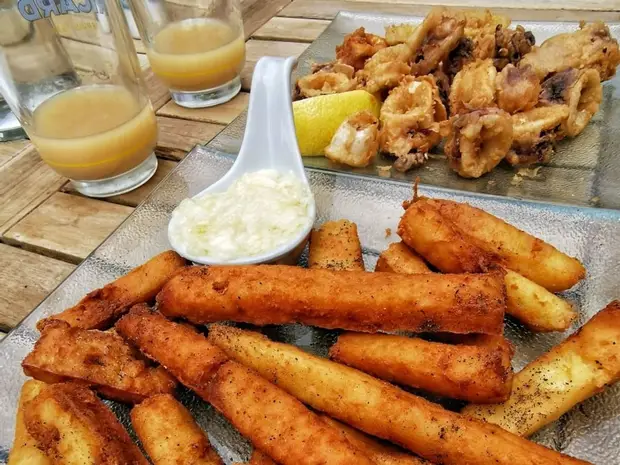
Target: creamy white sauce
[[258, 213]]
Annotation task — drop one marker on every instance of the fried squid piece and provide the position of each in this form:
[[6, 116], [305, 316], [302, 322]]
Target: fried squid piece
[[511, 45], [517, 89], [478, 141], [399, 33], [326, 78], [581, 90], [385, 69], [356, 140], [480, 27], [411, 117], [473, 88], [535, 133], [590, 47], [357, 47]]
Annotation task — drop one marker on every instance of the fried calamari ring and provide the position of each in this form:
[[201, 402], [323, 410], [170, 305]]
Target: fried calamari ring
[[439, 42], [356, 141], [358, 46], [480, 27], [411, 117], [581, 90], [399, 33], [534, 134], [517, 89], [385, 69], [328, 78], [473, 87], [511, 45], [478, 141]]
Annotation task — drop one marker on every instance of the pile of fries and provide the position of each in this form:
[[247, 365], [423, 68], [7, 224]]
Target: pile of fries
[[457, 271]]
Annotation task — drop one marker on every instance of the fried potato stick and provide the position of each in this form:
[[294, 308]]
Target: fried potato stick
[[336, 246], [381, 409], [523, 253], [73, 426], [355, 300], [579, 367], [102, 360], [181, 350], [170, 435], [276, 422], [473, 372], [447, 247], [398, 258], [258, 458], [100, 308], [25, 449]]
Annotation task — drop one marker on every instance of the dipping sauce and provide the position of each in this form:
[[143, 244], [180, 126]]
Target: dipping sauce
[[258, 213]]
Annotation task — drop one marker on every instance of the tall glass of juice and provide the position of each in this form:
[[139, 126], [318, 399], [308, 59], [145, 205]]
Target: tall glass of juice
[[196, 47], [70, 73]]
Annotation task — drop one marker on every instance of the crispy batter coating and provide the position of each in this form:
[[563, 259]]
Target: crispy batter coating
[[102, 360], [100, 308], [399, 33], [336, 246], [479, 373], [511, 45], [441, 38], [170, 435], [385, 69], [257, 458], [356, 140], [580, 90], [473, 87], [517, 89], [357, 47], [521, 252], [478, 141], [73, 426], [535, 133], [355, 300], [327, 78], [381, 409], [592, 46], [25, 450], [398, 258], [411, 117], [185, 353], [276, 422], [579, 367], [480, 27]]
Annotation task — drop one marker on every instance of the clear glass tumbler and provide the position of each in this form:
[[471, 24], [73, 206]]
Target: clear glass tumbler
[[196, 47], [70, 73]]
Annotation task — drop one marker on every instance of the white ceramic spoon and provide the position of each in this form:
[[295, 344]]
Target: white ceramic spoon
[[269, 142]]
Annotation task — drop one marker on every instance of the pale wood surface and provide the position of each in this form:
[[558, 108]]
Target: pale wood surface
[[47, 227]]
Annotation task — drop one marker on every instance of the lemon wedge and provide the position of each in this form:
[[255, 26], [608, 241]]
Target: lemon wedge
[[318, 118]]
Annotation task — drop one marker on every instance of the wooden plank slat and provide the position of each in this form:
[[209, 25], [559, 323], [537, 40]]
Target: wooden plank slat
[[177, 137], [10, 149], [255, 49], [26, 181], [25, 279], [328, 9], [66, 226], [222, 114], [291, 29], [255, 13], [156, 89], [133, 198]]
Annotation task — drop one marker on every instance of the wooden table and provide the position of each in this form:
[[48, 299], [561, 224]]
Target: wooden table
[[46, 229]]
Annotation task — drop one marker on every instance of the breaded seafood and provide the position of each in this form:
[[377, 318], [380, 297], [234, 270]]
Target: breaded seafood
[[356, 140], [335, 245]]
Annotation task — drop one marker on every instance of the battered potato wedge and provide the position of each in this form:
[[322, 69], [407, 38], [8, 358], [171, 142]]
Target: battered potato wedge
[[170, 435], [72, 426], [276, 422], [184, 352], [100, 308], [381, 454], [398, 258], [451, 250], [355, 300], [381, 409], [521, 252], [102, 360], [473, 372], [25, 449], [572, 371], [258, 458], [336, 246]]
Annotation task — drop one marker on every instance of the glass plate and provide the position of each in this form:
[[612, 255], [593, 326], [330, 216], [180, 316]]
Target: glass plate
[[590, 432], [584, 171]]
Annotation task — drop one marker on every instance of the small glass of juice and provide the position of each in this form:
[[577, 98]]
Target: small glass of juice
[[71, 75], [196, 47]]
